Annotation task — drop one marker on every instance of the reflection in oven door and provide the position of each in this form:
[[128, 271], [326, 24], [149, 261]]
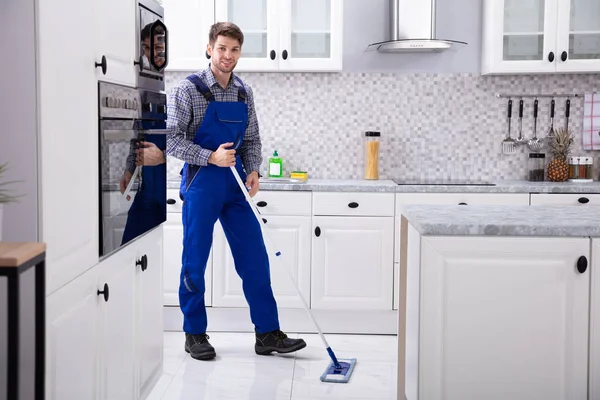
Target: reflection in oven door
[[152, 45]]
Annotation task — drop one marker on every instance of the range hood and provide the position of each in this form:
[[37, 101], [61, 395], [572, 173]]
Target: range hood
[[412, 29]]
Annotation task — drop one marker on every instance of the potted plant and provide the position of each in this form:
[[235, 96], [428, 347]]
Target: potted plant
[[5, 194]]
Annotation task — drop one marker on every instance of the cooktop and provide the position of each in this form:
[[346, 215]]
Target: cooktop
[[445, 182]]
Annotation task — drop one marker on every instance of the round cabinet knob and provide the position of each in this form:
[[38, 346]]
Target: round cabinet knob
[[171, 201], [104, 292], [582, 264]]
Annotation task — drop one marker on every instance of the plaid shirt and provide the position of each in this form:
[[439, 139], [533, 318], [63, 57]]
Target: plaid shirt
[[186, 107]]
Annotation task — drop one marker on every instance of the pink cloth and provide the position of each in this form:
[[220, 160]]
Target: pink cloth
[[591, 122]]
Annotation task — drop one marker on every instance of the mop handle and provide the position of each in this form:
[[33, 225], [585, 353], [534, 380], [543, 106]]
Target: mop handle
[[278, 253]]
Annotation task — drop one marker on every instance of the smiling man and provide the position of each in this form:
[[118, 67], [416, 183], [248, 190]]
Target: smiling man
[[213, 126]]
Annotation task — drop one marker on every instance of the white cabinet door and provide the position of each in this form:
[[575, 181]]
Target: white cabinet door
[[594, 356], [115, 40], [173, 247], [565, 199], [311, 35], [189, 22], [68, 141], [352, 263], [495, 312], [259, 22], [578, 36], [149, 332], [519, 36], [117, 315], [72, 340], [288, 234]]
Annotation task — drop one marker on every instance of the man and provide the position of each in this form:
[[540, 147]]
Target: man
[[213, 126]]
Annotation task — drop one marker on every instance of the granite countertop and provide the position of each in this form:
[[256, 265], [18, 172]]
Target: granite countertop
[[378, 186], [490, 220]]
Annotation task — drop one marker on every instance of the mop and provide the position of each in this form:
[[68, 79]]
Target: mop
[[339, 370]]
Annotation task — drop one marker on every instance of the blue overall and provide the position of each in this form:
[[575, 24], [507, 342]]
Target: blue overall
[[149, 207], [210, 193]]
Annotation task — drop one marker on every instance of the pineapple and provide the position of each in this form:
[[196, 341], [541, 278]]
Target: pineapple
[[560, 146]]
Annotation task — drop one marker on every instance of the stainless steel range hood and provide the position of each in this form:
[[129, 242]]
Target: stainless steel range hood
[[412, 29]]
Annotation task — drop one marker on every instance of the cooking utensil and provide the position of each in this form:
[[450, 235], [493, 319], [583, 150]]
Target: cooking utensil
[[567, 113], [550, 133], [534, 143], [508, 144], [520, 138]]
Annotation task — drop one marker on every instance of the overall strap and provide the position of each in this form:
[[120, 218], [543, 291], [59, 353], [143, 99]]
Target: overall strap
[[202, 88], [241, 90]]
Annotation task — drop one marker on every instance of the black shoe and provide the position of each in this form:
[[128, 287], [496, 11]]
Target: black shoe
[[277, 341], [198, 347]]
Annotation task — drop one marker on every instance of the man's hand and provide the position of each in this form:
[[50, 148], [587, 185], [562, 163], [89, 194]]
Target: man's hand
[[124, 182], [252, 183], [149, 155], [223, 157]]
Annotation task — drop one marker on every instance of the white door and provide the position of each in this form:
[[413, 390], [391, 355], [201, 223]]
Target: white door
[[498, 310], [115, 40], [352, 263], [578, 36], [259, 21], [68, 140], [117, 314], [73, 340], [149, 303], [311, 35], [189, 22], [520, 36], [173, 248], [595, 321]]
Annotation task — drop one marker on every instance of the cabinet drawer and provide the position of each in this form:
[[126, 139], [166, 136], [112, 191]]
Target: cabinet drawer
[[404, 199], [362, 204], [565, 199], [271, 202], [173, 195]]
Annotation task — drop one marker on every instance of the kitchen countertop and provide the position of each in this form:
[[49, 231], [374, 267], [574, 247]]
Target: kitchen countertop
[[388, 186], [492, 220]]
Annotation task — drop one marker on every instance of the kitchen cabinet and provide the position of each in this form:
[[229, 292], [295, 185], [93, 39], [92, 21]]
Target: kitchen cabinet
[[594, 354], [284, 232], [115, 38], [189, 22], [542, 36], [565, 199], [405, 199], [104, 329], [495, 318], [173, 248], [352, 251], [287, 35]]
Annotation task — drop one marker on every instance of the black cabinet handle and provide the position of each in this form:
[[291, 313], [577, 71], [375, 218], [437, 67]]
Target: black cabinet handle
[[583, 200], [273, 54], [551, 56], [353, 205], [564, 56], [104, 292], [582, 264], [261, 204], [171, 201], [284, 55], [102, 64], [140, 62], [317, 231], [264, 220], [143, 263], [462, 204]]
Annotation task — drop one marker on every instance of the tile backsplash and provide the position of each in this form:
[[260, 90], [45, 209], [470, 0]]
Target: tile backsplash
[[432, 125]]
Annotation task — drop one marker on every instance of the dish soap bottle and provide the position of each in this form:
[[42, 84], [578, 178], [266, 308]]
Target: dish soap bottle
[[275, 166]]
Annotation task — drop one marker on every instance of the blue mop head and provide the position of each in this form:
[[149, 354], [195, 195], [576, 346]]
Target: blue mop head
[[339, 375]]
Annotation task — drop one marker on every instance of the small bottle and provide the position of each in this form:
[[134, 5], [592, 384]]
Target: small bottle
[[536, 166], [275, 166]]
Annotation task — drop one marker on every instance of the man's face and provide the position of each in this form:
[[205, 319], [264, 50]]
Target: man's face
[[225, 53]]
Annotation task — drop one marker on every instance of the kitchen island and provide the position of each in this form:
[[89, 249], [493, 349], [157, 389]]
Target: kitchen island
[[499, 302]]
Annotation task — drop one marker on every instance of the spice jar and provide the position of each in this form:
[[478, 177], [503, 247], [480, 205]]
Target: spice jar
[[372, 155], [581, 169], [537, 162]]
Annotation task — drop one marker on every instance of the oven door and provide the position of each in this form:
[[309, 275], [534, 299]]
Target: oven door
[[152, 46]]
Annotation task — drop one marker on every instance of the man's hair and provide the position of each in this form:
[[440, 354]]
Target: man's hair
[[227, 29]]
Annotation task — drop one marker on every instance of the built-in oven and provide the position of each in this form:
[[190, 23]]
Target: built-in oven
[[132, 197], [152, 45]]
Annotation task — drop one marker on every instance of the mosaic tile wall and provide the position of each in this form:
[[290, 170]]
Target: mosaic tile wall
[[432, 125]]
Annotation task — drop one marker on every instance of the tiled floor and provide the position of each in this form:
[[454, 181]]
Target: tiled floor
[[238, 373]]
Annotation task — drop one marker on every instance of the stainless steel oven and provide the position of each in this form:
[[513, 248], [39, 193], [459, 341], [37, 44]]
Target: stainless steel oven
[[152, 45], [129, 208]]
